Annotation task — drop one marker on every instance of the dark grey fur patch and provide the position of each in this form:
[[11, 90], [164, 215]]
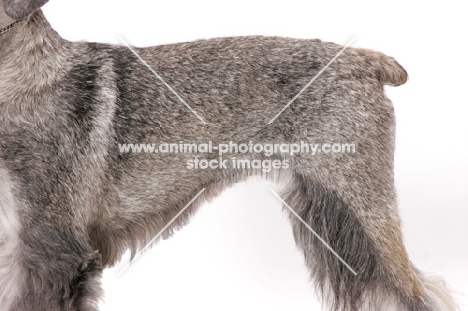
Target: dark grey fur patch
[[80, 90]]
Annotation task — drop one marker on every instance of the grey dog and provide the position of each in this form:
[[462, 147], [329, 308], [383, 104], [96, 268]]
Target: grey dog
[[71, 203]]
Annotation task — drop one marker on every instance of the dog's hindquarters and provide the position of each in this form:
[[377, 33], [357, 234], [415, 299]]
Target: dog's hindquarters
[[349, 201]]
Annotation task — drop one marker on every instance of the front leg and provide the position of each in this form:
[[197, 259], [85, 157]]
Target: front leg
[[45, 264], [59, 271]]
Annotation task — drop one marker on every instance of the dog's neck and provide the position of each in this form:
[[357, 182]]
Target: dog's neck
[[33, 53]]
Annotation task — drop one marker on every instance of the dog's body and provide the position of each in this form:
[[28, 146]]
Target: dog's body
[[71, 204]]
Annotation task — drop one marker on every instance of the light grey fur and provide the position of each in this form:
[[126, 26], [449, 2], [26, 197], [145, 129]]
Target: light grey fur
[[71, 204], [11, 272]]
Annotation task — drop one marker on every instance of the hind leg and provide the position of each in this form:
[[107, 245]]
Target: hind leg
[[360, 223], [349, 200]]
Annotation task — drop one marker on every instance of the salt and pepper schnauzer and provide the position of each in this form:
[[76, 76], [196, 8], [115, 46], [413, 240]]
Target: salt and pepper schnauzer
[[71, 204]]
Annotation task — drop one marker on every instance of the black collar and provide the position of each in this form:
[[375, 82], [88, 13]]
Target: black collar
[[7, 28]]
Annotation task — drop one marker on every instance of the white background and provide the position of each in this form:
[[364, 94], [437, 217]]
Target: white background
[[238, 252]]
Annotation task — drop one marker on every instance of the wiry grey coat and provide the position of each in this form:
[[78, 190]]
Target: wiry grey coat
[[71, 203]]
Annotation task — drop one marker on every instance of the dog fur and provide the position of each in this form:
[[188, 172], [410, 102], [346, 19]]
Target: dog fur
[[71, 204]]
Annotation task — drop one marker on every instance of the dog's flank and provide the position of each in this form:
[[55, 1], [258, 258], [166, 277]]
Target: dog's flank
[[71, 203]]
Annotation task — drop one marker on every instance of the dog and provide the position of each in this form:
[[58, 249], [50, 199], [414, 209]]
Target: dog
[[71, 202]]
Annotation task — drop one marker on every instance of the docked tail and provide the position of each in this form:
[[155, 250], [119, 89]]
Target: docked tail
[[387, 69]]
